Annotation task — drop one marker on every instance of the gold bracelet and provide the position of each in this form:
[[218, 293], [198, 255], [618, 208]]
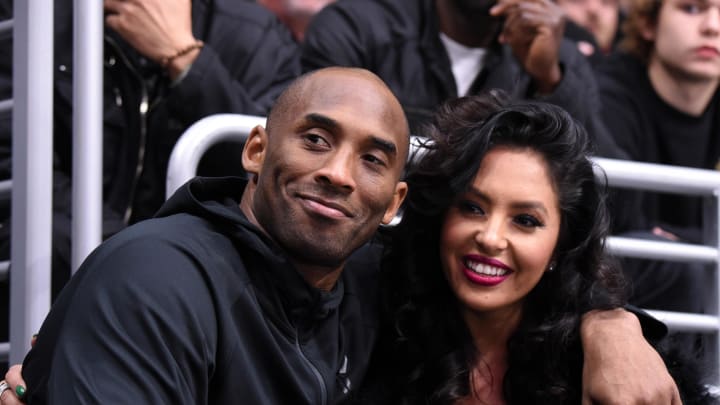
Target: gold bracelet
[[165, 61]]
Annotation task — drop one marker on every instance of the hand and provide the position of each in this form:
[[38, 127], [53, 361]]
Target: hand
[[657, 231], [155, 28], [620, 365], [534, 30], [13, 378]]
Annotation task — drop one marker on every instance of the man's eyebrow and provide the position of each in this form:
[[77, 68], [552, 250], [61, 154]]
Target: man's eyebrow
[[322, 120], [387, 146]]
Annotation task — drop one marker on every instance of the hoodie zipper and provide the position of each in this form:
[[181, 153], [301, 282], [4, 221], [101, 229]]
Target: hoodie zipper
[[315, 371], [143, 109]]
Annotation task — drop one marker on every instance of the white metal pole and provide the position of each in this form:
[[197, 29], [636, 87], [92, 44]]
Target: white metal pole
[[32, 171], [714, 346], [88, 129]]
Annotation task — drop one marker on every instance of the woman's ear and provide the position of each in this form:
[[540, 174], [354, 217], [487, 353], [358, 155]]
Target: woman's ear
[[648, 29], [253, 154]]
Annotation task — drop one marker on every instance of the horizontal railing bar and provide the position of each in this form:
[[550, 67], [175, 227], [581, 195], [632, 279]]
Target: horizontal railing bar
[[657, 177], [4, 269], [687, 322], [6, 26], [4, 351], [6, 105], [5, 189], [651, 249]]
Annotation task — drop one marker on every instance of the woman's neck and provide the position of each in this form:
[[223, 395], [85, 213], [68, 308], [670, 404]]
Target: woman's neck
[[687, 93], [490, 333], [491, 330]]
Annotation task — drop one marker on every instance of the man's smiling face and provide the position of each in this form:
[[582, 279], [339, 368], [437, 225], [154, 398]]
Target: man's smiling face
[[331, 167]]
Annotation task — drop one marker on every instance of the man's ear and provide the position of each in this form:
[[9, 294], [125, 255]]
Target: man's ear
[[253, 154], [398, 197]]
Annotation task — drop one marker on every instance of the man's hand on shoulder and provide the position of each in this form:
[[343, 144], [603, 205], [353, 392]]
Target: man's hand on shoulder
[[620, 366]]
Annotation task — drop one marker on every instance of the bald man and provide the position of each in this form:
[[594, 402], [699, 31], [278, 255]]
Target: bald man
[[236, 292], [246, 291]]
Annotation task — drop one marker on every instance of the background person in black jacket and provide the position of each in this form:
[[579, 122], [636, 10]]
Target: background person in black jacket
[[247, 290], [167, 63], [429, 51], [661, 102]]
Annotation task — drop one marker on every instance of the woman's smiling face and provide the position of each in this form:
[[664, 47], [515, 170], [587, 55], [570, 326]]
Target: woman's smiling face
[[498, 238]]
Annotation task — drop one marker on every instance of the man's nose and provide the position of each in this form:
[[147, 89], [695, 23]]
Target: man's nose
[[338, 170]]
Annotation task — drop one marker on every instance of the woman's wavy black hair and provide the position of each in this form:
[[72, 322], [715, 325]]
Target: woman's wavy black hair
[[431, 345]]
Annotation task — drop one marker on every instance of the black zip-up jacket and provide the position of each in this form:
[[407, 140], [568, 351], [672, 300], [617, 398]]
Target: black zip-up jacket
[[198, 306], [248, 59], [400, 42]]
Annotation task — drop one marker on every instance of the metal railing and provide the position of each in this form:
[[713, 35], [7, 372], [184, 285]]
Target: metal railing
[[32, 31], [32, 170], [623, 174]]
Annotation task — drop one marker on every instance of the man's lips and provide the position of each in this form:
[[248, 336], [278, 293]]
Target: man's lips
[[325, 207]]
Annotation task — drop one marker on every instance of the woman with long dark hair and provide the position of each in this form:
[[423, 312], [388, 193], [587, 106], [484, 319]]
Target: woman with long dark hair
[[499, 254]]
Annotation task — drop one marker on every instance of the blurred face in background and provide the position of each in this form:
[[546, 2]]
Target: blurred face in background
[[599, 17], [295, 14], [687, 39]]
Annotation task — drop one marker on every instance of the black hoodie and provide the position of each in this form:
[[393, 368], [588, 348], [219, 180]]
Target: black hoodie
[[198, 306]]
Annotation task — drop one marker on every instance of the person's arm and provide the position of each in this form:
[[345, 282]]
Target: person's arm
[[137, 326], [161, 30], [246, 61], [620, 366], [243, 72], [559, 74], [534, 29], [339, 35]]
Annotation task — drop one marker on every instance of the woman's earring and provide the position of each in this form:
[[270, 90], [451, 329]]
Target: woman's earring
[[551, 266]]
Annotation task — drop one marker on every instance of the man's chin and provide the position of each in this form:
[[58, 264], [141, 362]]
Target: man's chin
[[323, 250], [319, 258]]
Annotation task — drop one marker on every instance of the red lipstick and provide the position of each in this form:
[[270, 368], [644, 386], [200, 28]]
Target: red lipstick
[[485, 271]]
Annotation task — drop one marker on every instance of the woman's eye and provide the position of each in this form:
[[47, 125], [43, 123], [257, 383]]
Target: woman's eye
[[528, 221], [471, 208]]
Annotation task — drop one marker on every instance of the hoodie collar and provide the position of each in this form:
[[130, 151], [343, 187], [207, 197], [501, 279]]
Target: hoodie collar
[[277, 282]]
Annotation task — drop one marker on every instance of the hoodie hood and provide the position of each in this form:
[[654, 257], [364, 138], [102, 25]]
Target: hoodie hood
[[277, 281]]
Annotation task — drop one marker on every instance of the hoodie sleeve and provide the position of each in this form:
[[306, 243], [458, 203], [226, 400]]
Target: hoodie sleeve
[[137, 327]]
